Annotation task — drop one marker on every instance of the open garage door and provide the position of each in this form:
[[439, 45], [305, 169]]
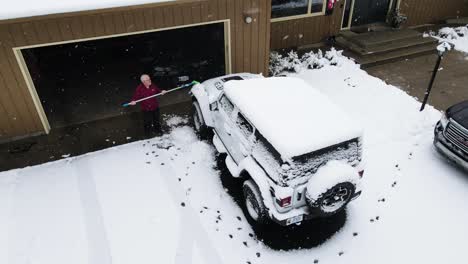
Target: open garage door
[[89, 80]]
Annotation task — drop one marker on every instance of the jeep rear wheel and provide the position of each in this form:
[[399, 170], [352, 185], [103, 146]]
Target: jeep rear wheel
[[253, 200], [333, 200], [198, 122]]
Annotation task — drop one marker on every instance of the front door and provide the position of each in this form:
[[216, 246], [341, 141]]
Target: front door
[[369, 11]]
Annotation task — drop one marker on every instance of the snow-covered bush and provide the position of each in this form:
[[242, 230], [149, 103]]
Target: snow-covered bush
[[311, 60], [457, 36]]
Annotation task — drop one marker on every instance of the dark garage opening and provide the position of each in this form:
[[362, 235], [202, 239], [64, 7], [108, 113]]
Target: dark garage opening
[[86, 81]]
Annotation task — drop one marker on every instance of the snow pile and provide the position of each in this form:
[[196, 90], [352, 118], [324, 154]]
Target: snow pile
[[28, 8], [457, 36], [280, 65], [175, 120], [289, 113], [328, 176]]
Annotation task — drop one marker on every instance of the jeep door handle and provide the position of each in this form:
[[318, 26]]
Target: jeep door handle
[[227, 128]]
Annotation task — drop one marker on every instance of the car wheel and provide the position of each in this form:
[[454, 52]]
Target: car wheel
[[333, 200], [254, 205], [198, 122]]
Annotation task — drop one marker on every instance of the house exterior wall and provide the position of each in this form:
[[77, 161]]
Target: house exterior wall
[[421, 12], [303, 31], [19, 116]]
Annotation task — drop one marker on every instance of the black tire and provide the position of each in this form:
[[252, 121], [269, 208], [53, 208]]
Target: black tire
[[253, 201], [333, 201], [198, 122]]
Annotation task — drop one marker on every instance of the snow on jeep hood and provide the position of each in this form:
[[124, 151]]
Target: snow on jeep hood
[[293, 116]]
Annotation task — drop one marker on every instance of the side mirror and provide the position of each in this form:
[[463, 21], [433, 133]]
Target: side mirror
[[214, 106]]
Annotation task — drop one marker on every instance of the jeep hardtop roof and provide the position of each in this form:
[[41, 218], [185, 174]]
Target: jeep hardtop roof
[[293, 116]]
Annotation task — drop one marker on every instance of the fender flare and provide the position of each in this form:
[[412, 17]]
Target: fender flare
[[258, 175], [199, 94]]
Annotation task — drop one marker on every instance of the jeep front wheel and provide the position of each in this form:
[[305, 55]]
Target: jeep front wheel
[[255, 207]]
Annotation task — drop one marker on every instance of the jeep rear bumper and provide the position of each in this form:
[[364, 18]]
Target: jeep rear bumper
[[301, 217]]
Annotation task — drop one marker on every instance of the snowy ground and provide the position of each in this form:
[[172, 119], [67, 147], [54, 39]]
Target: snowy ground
[[457, 36], [166, 201]]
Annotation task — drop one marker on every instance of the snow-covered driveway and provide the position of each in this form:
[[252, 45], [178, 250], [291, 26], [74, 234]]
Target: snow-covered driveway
[[164, 201]]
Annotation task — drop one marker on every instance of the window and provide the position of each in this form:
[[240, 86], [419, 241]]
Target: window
[[226, 105], [244, 125], [317, 6], [291, 8]]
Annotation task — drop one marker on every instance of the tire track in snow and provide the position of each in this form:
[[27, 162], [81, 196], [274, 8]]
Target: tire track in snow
[[192, 229], [98, 242]]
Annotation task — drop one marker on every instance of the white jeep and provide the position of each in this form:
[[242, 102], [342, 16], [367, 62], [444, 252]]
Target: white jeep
[[298, 153]]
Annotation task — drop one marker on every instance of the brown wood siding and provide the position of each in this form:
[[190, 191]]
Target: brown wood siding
[[18, 114], [303, 31], [421, 12]]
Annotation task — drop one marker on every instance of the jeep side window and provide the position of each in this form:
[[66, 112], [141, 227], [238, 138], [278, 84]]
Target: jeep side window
[[244, 125], [226, 105]]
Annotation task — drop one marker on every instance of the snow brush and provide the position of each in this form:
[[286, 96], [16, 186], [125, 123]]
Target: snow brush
[[172, 90]]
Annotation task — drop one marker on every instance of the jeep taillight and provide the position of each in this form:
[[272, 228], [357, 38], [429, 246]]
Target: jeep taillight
[[284, 202]]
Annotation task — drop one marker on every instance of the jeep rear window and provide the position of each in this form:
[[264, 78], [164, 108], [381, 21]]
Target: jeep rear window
[[226, 105]]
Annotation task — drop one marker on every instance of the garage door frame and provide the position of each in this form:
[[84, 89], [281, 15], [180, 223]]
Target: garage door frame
[[32, 89]]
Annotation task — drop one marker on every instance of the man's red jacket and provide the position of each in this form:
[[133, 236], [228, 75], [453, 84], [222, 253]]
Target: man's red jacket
[[142, 92]]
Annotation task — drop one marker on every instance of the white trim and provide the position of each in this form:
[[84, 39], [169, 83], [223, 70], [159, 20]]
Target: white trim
[[32, 89], [227, 47], [309, 14], [351, 11]]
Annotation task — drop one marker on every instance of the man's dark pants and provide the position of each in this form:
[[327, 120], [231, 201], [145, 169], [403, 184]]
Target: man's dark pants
[[151, 122]]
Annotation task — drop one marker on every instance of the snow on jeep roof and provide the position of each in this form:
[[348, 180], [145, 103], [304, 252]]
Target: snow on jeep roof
[[293, 116]]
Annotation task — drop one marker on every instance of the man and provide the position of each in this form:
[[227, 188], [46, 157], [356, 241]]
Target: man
[[149, 107]]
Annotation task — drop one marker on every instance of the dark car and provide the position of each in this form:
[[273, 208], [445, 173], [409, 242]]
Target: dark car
[[451, 134]]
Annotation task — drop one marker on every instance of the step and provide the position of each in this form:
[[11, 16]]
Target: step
[[372, 39], [377, 59], [460, 20], [403, 44]]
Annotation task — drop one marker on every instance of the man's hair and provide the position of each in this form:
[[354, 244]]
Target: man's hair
[[144, 75]]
